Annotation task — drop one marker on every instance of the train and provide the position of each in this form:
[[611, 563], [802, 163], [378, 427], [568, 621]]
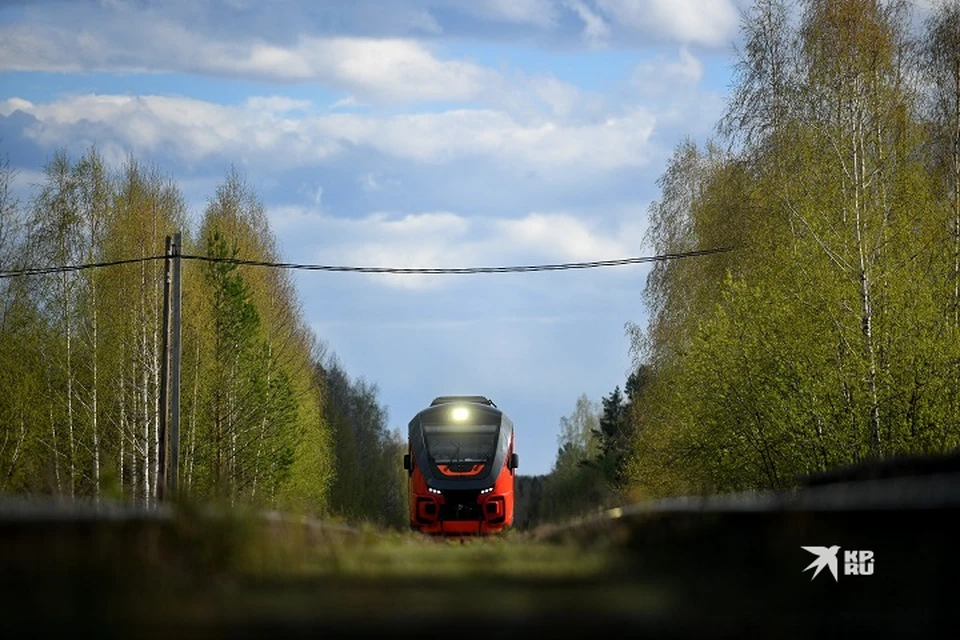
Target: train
[[461, 466]]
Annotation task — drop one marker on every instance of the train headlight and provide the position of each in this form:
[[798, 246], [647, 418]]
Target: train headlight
[[460, 414]]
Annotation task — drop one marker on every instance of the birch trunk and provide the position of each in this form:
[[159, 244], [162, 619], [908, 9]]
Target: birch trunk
[[956, 193], [123, 422], [144, 391], [70, 439], [56, 446], [94, 399], [263, 424], [193, 418]]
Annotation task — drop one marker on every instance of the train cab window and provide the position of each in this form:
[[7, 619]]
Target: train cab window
[[460, 443]]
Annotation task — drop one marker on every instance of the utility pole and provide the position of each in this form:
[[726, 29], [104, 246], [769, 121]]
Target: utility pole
[[177, 250], [164, 378]]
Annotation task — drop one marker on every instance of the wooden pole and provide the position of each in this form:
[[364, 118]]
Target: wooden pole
[[164, 378], [177, 250]]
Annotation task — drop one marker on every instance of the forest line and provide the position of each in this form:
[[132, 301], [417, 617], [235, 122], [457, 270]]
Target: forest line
[[268, 415], [832, 336]]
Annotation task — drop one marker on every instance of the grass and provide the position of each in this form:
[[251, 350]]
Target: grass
[[411, 555]]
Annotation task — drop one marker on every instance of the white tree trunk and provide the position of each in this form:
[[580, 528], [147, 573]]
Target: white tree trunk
[[145, 391], [123, 422], [193, 417], [93, 421], [70, 440]]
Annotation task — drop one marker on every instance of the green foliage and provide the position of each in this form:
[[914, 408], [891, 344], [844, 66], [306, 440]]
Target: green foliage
[[616, 428], [577, 484], [80, 381], [824, 338], [371, 484]]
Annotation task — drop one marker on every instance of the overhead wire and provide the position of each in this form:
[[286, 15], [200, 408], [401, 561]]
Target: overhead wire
[[563, 266], [41, 271]]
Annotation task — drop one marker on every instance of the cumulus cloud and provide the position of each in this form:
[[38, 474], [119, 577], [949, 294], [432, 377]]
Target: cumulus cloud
[[305, 42], [383, 69], [445, 239], [710, 23], [263, 131], [379, 70]]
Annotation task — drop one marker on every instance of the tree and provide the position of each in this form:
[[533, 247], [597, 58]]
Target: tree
[[576, 485], [822, 339], [94, 195], [145, 208], [370, 484], [578, 434], [22, 450], [235, 327], [55, 231], [79, 385], [941, 67]]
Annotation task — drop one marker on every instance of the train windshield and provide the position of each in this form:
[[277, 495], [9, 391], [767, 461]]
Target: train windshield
[[460, 443]]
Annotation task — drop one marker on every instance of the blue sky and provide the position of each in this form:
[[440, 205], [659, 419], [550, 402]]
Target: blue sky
[[414, 133]]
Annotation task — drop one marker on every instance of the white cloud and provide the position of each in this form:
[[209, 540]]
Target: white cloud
[[441, 137], [562, 235], [710, 23], [689, 67], [345, 103], [395, 69], [444, 239], [562, 98], [595, 29], [276, 104], [384, 69], [661, 76], [194, 129]]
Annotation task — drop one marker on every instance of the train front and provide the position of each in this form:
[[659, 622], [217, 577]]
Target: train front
[[461, 465]]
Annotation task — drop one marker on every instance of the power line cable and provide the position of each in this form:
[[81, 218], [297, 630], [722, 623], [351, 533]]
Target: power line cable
[[41, 271], [564, 266]]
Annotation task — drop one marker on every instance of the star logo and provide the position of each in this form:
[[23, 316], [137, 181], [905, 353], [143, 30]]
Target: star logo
[[826, 557]]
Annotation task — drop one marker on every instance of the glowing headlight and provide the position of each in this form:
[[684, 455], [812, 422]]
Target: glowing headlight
[[432, 490], [460, 414]]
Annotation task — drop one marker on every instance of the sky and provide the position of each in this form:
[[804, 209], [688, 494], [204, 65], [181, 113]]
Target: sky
[[407, 133]]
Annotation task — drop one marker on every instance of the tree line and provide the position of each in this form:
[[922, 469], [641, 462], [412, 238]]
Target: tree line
[[595, 447], [268, 417], [830, 335]]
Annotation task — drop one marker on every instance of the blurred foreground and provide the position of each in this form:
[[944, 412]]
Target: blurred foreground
[[710, 567]]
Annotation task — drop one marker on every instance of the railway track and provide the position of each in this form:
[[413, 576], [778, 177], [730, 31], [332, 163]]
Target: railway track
[[720, 566]]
